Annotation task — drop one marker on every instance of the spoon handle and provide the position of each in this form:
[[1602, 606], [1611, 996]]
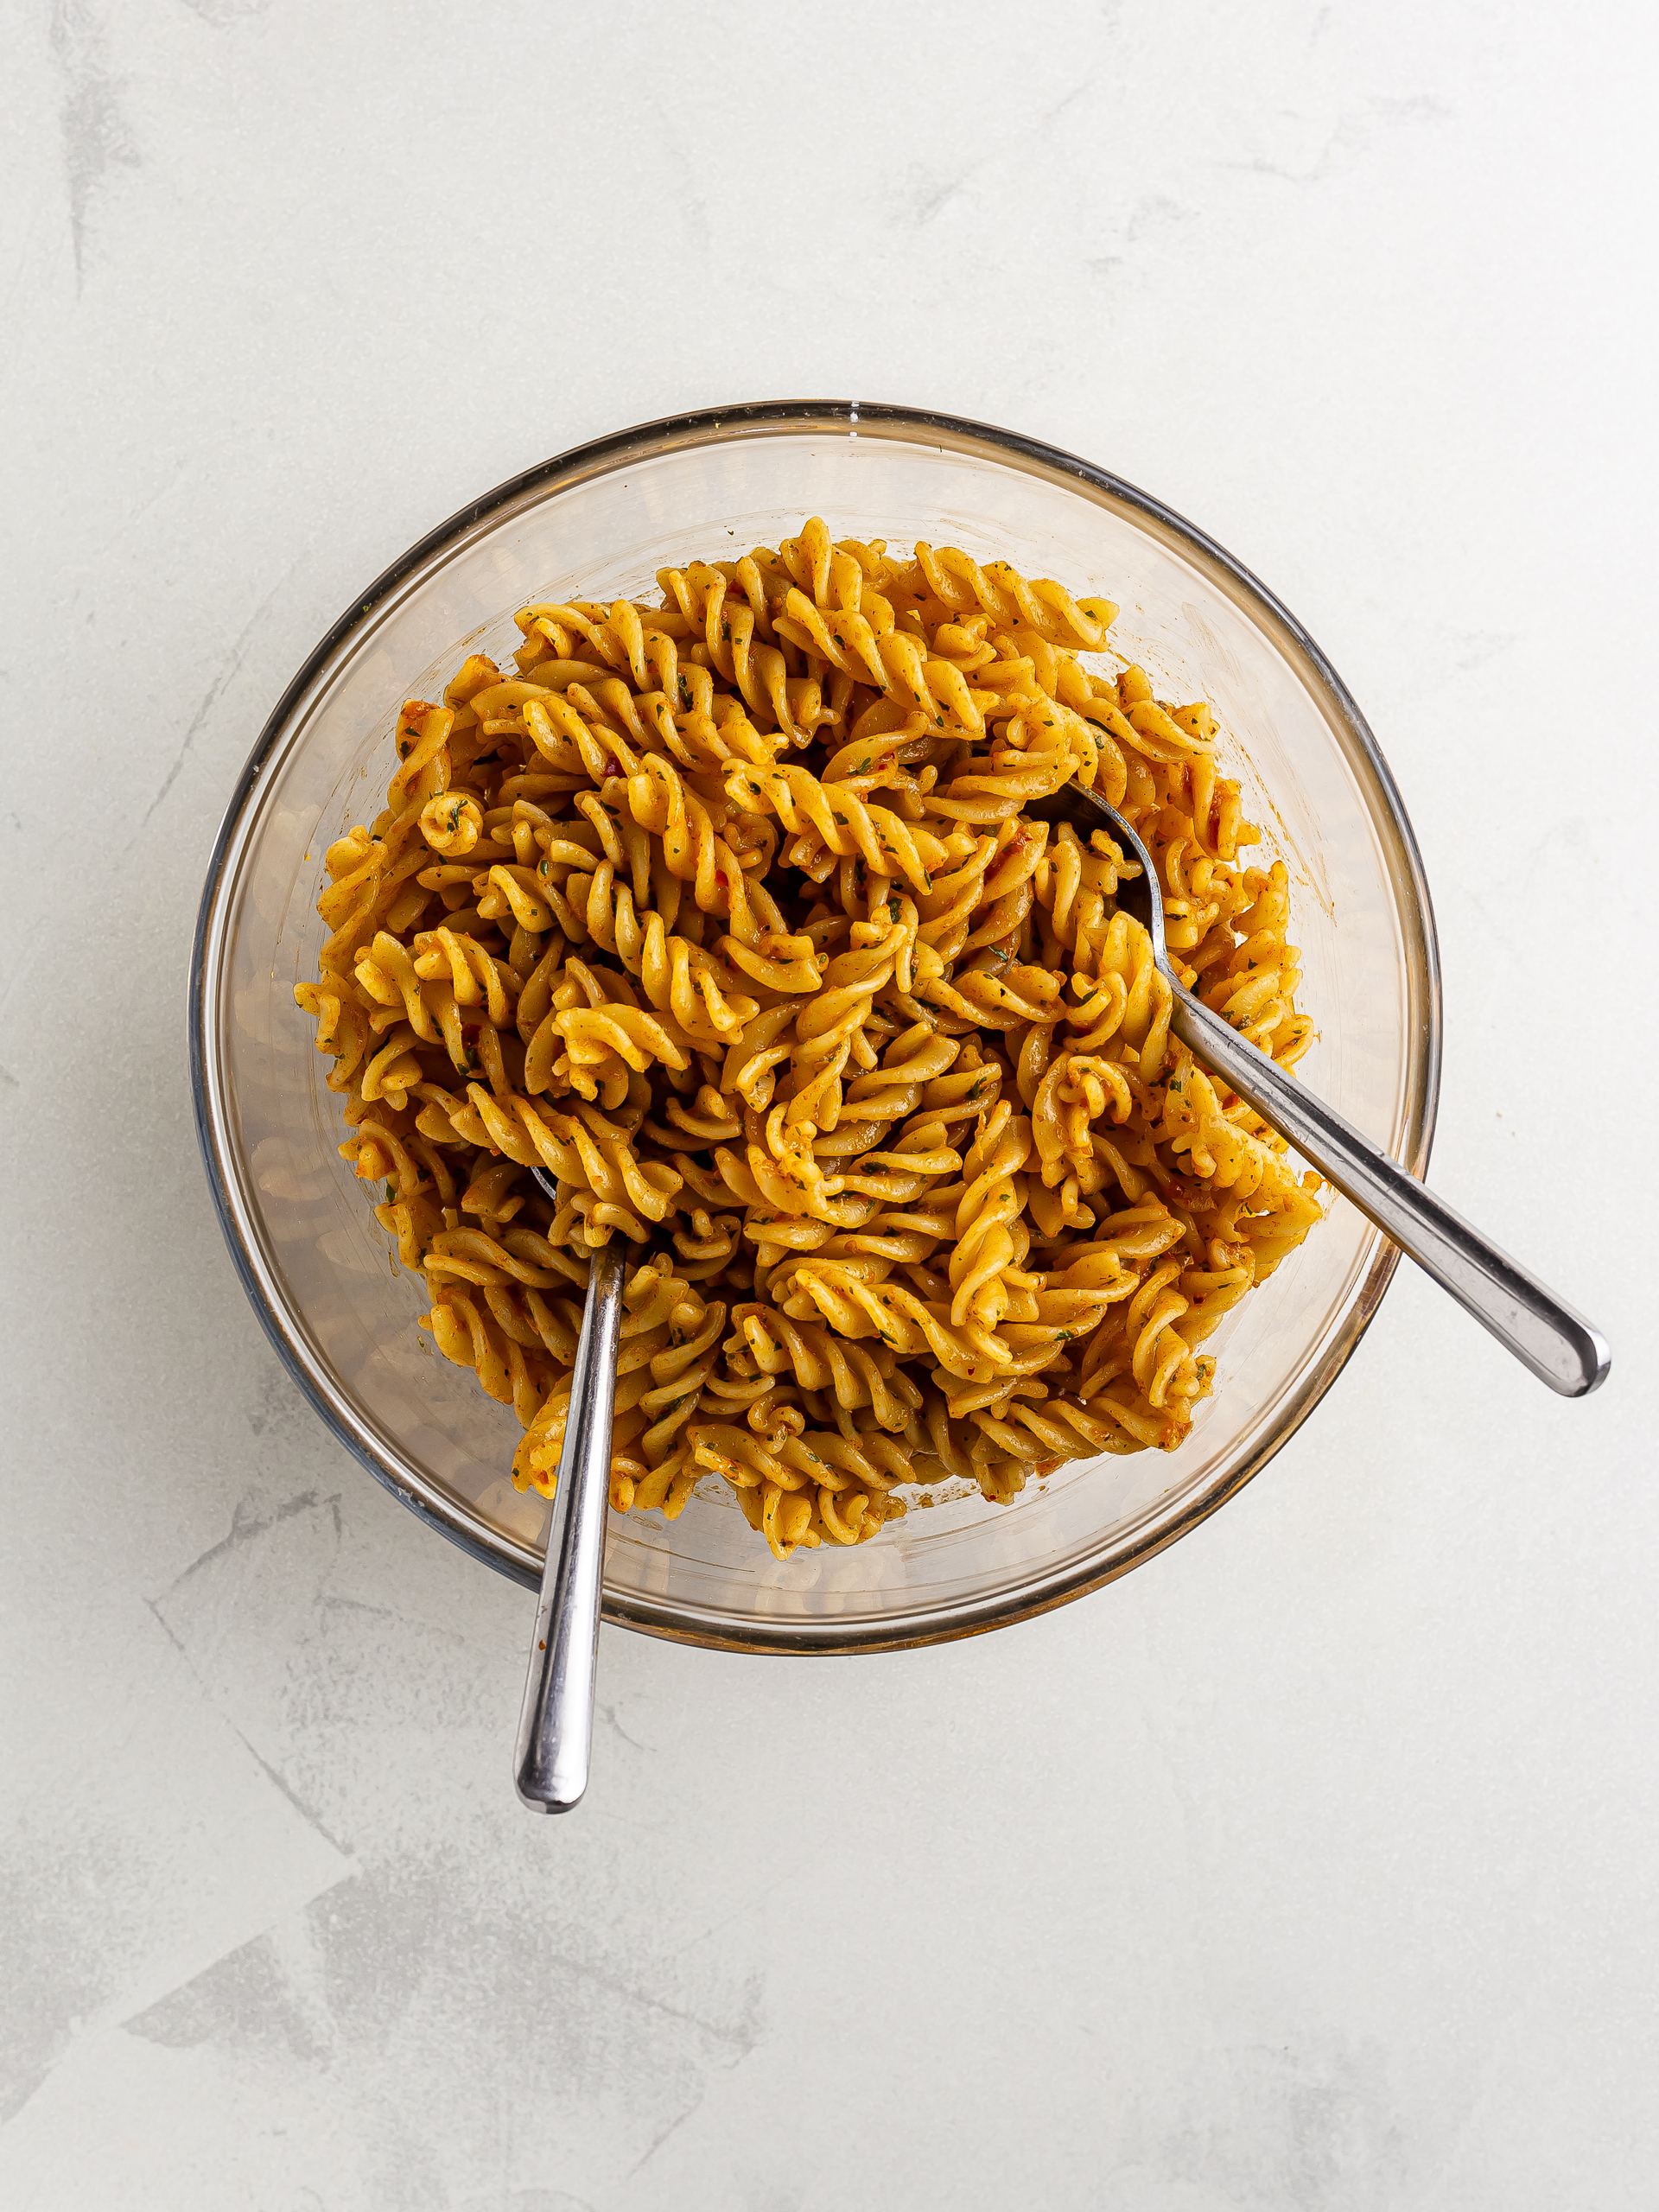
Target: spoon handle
[[556, 1726], [1558, 1344]]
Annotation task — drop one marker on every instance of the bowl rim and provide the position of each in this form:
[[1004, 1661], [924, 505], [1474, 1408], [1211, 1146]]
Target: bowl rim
[[676, 1623]]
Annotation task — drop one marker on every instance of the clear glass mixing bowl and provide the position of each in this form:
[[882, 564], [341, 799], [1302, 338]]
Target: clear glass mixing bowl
[[601, 522]]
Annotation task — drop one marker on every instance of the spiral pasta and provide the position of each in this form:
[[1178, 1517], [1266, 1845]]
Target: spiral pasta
[[726, 913]]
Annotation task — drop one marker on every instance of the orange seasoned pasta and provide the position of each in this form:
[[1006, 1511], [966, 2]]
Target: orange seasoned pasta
[[725, 911]]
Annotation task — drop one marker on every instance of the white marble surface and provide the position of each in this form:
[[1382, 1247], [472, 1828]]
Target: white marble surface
[[1310, 1867]]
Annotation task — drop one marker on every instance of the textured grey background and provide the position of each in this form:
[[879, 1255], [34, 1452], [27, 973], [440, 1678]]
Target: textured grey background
[[1310, 1866]]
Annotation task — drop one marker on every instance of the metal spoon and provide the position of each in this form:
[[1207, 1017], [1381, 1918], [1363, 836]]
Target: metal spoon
[[555, 1729], [1561, 1347], [1558, 1344]]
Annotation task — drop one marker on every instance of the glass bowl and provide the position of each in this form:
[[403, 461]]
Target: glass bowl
[[599, 522]]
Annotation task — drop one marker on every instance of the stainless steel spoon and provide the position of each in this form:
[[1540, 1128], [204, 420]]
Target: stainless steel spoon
[[1559, 1345], [555, 1729]]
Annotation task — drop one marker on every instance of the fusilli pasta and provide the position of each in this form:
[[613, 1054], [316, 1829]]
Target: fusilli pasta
[[726, 912]]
